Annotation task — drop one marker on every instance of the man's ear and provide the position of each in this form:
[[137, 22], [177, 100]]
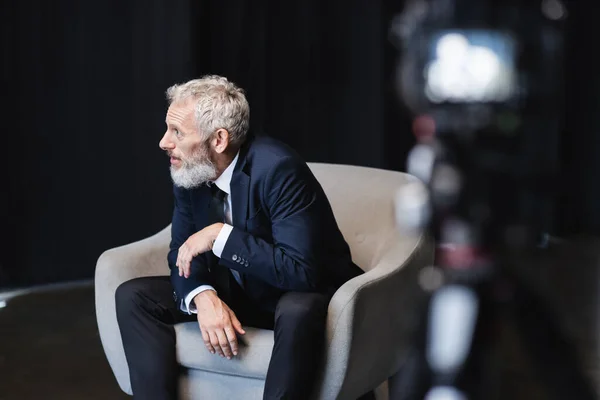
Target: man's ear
[[221, 140]]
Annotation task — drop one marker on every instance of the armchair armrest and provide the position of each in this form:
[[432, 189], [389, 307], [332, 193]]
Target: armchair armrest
[[372, 319], [147, 257]]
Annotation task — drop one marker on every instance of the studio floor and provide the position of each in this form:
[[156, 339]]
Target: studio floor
[[50, 347]]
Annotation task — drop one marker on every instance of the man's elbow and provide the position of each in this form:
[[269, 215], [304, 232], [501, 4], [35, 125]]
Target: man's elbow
[[296, 274]]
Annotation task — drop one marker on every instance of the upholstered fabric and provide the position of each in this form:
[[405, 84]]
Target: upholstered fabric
[[252, 360], [146, 257], [198, 384], [362, 202], [370, 318]]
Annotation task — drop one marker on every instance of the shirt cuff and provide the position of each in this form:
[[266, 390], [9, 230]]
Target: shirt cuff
[[221, 240], [189, 306]]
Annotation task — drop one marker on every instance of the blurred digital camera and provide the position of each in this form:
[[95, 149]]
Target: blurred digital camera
[[485, 77]]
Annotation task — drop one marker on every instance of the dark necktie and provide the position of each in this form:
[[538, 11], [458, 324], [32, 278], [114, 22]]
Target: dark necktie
[[217, 214]]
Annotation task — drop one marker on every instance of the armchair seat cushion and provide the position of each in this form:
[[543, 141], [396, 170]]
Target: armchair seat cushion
[[252, 360]]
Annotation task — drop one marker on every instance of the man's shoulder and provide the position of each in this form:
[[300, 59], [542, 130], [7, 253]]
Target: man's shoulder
[[273, 147], [272, 159], [265, 150]]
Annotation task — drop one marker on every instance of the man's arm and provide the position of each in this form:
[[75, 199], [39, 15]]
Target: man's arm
[[217, 322], [181, 229], [291, 262]]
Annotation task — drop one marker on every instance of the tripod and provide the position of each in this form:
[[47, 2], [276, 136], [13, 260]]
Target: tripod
[[480, 286]]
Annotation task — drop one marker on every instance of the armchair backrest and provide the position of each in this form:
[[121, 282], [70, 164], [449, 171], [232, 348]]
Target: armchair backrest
[[362, 199]]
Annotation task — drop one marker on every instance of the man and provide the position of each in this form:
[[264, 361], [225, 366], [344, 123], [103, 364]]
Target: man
[[254, 242]]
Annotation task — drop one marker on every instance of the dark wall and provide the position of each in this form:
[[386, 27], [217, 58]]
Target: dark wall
[[84, 86]]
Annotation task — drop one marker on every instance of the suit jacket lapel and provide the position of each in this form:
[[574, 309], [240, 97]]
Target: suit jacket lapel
[[240, 186]]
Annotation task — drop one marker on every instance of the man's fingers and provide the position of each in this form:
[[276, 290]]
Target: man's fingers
[[224, 342], [237, 325], [206, 339], [214, 340], [183, 257], [183, 262], [179, 262], [232, 340], [187, 259], [188, 268]]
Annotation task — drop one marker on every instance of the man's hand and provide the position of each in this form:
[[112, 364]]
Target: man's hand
[[218, 324], [198, 243]]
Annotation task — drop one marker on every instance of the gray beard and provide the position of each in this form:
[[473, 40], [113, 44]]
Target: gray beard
[[191, 175]]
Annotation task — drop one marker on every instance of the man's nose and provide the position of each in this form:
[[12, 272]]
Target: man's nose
[[165, 143]]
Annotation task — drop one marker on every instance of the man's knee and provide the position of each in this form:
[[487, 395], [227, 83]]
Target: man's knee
[[128, 295], [301, 308]]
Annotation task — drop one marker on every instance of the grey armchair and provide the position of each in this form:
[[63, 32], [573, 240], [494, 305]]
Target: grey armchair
[[370, 317]]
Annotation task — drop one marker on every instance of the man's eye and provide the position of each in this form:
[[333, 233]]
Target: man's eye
[[177, 133]]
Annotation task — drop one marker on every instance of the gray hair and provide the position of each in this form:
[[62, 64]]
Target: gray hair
[[220, 104]]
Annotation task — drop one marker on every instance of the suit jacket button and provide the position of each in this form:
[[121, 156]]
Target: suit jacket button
[[234, 257], [246, 264]]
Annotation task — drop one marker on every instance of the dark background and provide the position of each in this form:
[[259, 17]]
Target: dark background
[[83, 110]]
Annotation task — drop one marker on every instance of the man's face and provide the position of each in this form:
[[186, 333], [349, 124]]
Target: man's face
[[191, 157]]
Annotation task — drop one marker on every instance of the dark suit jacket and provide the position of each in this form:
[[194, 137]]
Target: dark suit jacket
[[284, 237]]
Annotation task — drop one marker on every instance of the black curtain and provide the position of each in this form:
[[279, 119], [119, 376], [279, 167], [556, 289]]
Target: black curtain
[[84, 82], [579, 212], [313, 71]]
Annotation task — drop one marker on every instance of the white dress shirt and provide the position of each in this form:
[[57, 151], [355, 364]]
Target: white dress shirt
[[223, 182]]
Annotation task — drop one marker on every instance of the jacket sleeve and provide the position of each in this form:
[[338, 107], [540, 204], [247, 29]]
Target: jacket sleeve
[[181, 229], [290, 262]]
